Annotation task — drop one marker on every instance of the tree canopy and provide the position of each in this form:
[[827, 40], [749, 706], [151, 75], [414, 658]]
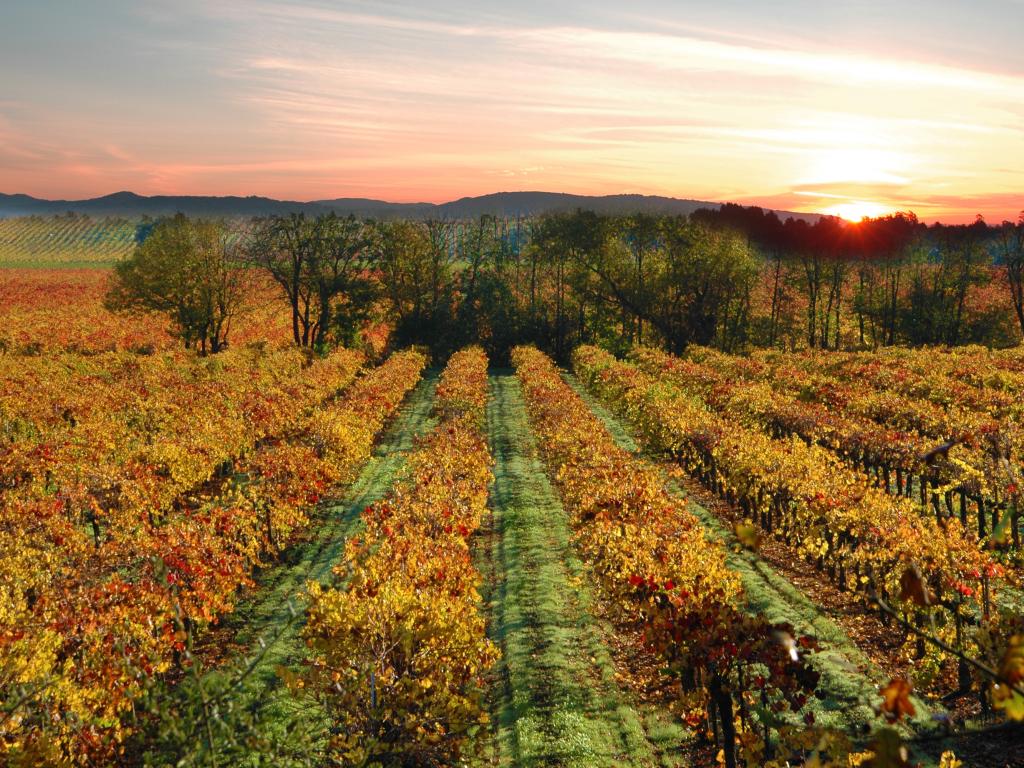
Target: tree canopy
[[187, 270]]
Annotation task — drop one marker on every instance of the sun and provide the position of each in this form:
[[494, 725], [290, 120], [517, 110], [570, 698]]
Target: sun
[[858, 210]]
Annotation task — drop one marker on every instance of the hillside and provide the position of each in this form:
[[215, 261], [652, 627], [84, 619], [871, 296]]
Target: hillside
[[532, 203], [131, 205]]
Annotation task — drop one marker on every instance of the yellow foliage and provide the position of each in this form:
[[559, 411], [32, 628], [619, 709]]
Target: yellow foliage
[[399, 651]]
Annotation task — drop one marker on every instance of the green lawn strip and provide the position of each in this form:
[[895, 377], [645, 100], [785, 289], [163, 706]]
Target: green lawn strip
[[848, 677], [555, 699], [266, 618]]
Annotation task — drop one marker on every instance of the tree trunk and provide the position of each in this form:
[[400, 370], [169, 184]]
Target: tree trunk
[[722, 700]]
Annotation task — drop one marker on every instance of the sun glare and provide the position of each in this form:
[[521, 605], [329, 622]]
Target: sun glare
[[858, 210]]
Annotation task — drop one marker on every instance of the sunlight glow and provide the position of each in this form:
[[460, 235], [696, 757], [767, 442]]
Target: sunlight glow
[[857, 165], [858, 210]]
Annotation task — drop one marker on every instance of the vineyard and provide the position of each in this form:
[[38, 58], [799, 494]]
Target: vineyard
[[61, 310], [367, 555], [511, 385], [65, 241]]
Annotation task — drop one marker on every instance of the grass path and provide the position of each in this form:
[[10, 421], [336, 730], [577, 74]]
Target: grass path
[[850, 678], [266, 618], [556, 702]]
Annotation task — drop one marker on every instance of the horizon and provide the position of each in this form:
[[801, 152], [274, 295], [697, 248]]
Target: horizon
[[851, 219], [846, 111]]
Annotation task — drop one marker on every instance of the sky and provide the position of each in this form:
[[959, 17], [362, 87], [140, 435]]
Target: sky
[[849, 108]]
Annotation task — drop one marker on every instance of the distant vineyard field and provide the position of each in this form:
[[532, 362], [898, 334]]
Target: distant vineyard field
[[65, 240], [61, 310]]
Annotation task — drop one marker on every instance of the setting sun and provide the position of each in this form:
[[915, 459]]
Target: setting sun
[[857, 210]]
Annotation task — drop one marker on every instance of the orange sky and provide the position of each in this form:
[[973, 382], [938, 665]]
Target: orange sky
[[803, 107]]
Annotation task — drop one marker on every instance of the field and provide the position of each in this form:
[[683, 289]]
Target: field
[[61, 310], [275, 556], [65, 241]]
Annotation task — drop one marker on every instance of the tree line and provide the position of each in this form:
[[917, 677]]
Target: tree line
[[900, 281], [732, 277]]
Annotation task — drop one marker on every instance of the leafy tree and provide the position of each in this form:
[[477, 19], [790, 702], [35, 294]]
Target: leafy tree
[[569, 245], [186, 270], [905, 282], [486, 309], [1010, 250], [936, 307], [691, 286], [776, 243], [703, 287], [324, 265], [641, 232], [415, 272], [881, 248]]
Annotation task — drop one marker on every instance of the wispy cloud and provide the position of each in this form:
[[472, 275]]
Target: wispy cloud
[[691, 54]]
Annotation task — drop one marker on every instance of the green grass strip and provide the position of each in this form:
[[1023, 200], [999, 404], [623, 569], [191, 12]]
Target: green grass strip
[[850, 679], [556, 701], [265, 625]]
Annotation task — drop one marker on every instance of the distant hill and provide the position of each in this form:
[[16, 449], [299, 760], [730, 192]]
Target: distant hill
[[377, 209], [131, 205], [532, 203]]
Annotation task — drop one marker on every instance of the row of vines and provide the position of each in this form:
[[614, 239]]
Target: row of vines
[[138, 497], [49, 311], [740, 677], [763, 455], [399, 646], [65, 239], [954, 445]]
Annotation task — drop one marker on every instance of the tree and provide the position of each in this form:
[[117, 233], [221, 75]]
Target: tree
[[1011, 253], [481, 300], [820, 253], [566, 243], [188, 271], [411, 278], [324, 265], [936, 308], [884, 245], [703, 287], [899, 235], [642, 233], [693, 286], [772, 239]]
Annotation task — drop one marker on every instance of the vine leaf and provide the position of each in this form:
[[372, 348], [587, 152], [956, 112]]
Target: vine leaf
[[896, 700], [748, 535], [889, 751], [1011, 670], [913, 587]]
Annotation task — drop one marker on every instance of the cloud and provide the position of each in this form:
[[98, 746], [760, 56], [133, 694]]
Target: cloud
[[1000, 203], [302, 16], [691, 54]]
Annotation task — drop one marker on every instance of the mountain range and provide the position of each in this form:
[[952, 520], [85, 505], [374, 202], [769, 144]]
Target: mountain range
[[131, 205]]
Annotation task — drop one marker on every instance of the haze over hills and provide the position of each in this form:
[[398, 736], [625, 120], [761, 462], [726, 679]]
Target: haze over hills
[[131, 205]]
